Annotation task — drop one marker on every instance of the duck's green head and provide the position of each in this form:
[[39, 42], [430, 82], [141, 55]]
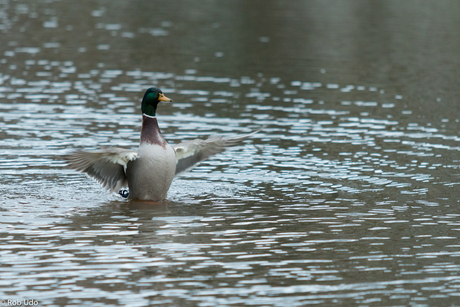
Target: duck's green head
[[151, 99]]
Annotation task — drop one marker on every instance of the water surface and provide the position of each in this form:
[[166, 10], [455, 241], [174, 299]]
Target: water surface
[[348, 196]]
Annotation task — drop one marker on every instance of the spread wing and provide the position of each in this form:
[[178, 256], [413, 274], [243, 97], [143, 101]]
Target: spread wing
[[106, 166], [189, 153]]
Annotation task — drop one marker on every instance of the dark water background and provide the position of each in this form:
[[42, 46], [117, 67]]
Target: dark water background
[[349, 196]]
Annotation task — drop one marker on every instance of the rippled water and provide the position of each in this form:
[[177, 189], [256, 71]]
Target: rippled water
[[348, 195]]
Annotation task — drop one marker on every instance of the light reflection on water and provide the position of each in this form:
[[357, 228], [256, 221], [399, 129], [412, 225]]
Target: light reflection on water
[[347, 195]]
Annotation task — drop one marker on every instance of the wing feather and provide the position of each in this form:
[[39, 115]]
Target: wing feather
[[106, 166], [189, 153]]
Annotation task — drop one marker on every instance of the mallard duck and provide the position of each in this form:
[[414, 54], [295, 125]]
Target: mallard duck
[[149, 171]]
